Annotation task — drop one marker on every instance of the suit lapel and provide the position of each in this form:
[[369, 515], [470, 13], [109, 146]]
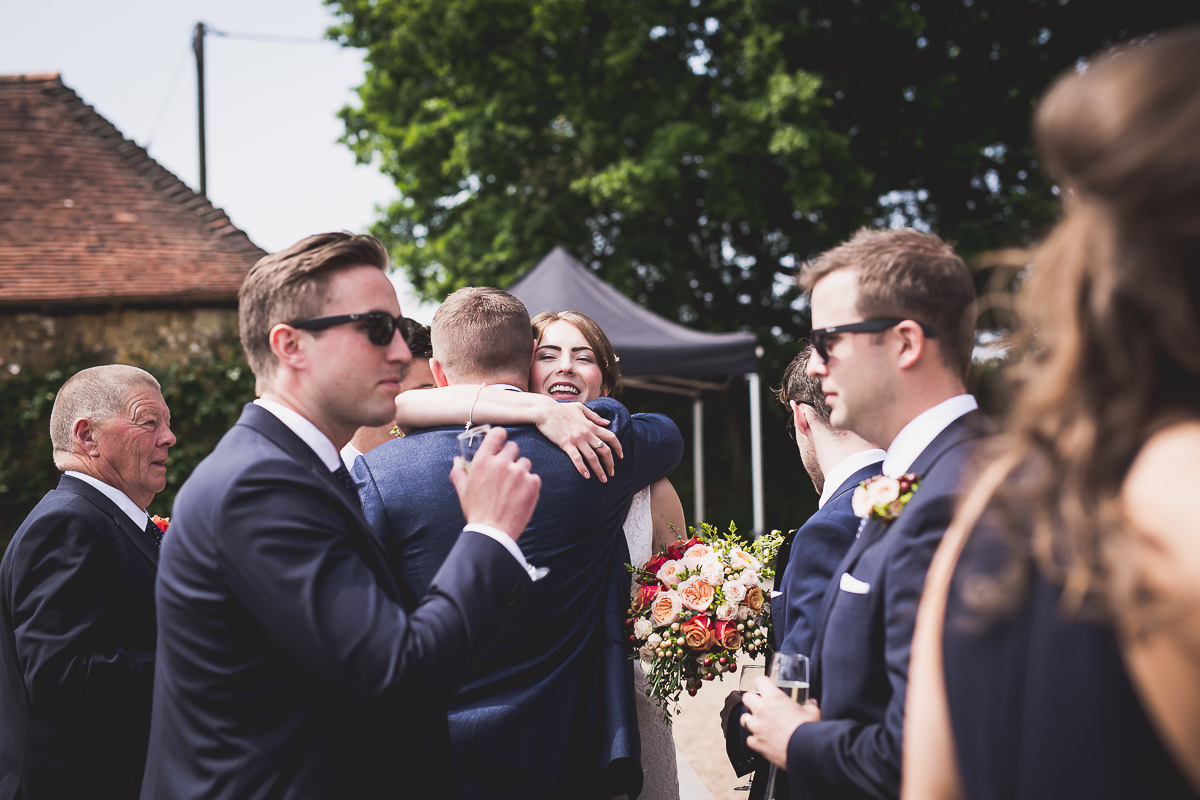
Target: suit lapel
[[968, 426], [137, 537], [270, 426]]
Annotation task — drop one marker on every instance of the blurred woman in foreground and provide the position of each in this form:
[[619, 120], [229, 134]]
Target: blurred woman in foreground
[[1057, 651]]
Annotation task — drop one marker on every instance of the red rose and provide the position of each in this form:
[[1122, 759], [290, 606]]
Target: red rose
[[652, 566], [697, 633], [644, 597], [161, 522], [726, 634]]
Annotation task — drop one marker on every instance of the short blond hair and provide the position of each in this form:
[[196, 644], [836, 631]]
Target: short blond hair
[[94, 394], [479, 331]]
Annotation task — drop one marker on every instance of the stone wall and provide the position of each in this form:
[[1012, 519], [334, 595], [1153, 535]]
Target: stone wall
[[143, 336]]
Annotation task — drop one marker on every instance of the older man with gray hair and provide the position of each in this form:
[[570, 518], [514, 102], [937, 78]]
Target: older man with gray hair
[[77, 621]]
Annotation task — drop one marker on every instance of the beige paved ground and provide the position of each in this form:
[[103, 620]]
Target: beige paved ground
[[699, 739]]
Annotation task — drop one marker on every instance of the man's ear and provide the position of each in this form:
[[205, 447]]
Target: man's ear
[[83, 435], [285, 344], [439, 374], [913, 343], [800, 418]]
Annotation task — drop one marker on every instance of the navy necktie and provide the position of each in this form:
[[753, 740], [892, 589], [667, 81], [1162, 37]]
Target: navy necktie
[[154, 532], [343, 475]]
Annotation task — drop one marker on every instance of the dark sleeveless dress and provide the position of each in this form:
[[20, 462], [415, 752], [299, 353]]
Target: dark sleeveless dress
[[1041, 706]]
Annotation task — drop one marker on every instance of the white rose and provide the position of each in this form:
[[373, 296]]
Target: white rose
[[646, 653], [860, 502], [882, 491], [654, 641], [750, 577], [726, 611], [744, 613], [735, 591], [642, 627], [713, 571]]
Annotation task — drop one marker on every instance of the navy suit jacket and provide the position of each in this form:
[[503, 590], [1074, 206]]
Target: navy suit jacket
[[76, 649], [860, 656], [290, 665], [549, 710], [816, 549]]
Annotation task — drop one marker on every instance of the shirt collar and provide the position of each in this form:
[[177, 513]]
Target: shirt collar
[[122, 501], [508, 387], [923, 429], [844, 469], [309, 433]]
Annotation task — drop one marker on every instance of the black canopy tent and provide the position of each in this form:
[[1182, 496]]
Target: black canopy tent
[[655, 353]]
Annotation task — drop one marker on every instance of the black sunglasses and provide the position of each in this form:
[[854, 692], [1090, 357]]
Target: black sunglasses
[[381, 326], [820, 343]]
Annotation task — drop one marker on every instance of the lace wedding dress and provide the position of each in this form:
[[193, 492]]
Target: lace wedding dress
[[662, 765]]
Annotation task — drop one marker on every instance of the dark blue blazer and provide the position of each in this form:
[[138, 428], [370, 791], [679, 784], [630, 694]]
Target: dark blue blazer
[[76, 649], [815, 550], [860, 656], [548, 711], [290, 665]]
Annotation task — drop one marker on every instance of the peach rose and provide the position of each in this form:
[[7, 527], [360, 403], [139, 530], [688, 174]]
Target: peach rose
[[696, 594], [665, 608], [883, 491], [754, 599], [698, 551], [697, 633], [668, 573]]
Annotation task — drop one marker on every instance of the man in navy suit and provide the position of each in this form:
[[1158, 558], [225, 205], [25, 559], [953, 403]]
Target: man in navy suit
[[893, 321], [77, 597], [548, 711], [837, 461], [290, 663]]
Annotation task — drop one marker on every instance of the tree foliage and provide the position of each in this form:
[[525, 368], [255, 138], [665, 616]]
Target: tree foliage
[[697, 150]]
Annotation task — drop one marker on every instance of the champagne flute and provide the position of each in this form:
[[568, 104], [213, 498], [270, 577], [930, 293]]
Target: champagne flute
[[789, 671], [749, 674]]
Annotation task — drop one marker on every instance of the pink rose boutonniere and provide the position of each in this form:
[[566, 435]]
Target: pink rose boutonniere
[[883, 497]]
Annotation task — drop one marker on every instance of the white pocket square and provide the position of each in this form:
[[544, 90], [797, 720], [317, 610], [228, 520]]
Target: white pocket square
[[853, 585]]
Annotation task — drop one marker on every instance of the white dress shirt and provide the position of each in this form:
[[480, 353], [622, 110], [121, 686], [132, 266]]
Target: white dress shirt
[[844, 469], [923, 429], [138, 515]]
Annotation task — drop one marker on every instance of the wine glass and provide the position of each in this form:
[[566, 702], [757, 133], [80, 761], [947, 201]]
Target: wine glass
[[749, 674], [789, 671]]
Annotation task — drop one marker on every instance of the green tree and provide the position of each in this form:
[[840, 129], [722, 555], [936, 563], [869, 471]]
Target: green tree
[[694, 152], [698, 150]]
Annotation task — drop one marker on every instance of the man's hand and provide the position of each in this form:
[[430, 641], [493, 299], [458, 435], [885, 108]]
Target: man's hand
[[581, 434], [772, 720], [498, 490]]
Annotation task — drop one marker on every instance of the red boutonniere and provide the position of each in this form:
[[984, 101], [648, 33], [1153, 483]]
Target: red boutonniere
[[883, 497], [161, 522]]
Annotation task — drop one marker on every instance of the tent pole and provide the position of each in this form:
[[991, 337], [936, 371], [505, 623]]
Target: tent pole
[[756, 455], [698, 458]]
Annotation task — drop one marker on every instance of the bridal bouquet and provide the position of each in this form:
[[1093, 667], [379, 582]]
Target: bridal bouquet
[[696, 605]]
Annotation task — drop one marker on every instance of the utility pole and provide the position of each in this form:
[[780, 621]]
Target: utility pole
[[198, 47]]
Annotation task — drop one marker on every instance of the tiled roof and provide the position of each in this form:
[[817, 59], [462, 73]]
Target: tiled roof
[[87, 217]]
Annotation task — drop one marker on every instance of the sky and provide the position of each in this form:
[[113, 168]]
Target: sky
[[273, 87]]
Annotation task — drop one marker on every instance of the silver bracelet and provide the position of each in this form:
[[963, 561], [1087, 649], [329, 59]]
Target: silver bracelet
[[471, 412]]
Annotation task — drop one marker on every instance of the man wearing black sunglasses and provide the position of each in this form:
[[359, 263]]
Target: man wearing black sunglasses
[[893, 323], [289, 661]]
